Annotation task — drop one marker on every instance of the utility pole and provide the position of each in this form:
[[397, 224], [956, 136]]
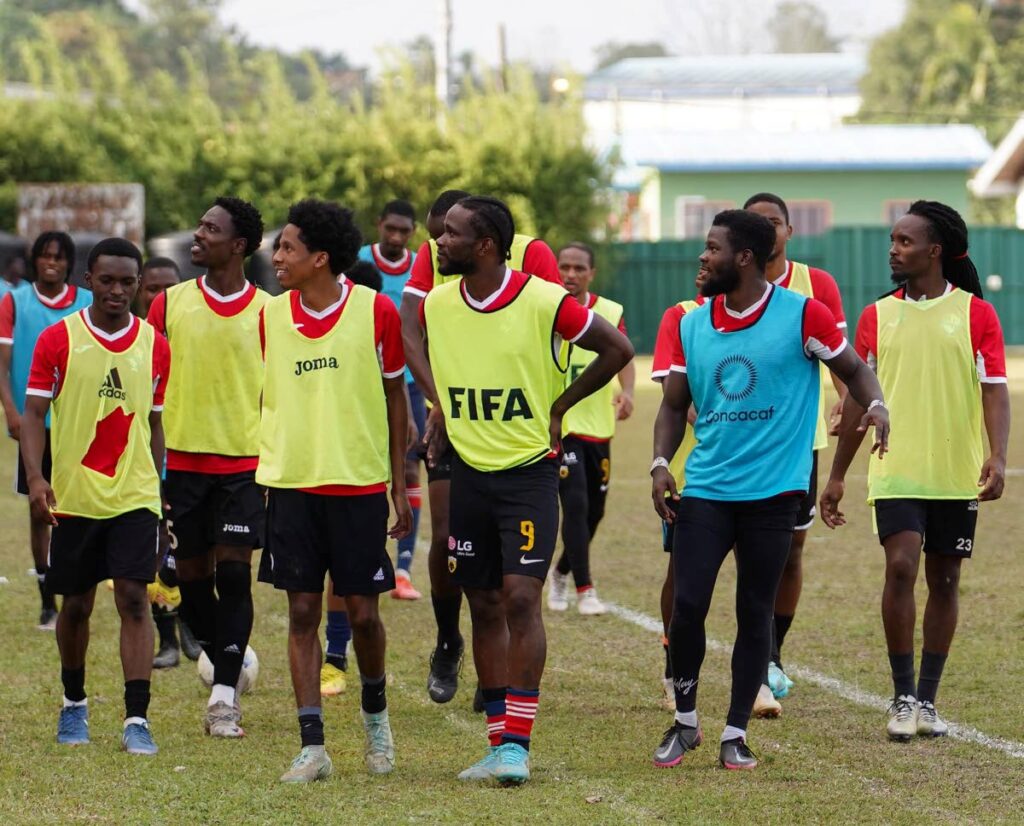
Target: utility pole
[[502, 59], [443, 54]]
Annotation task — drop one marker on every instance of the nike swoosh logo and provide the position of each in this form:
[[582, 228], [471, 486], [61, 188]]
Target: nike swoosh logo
[[665, 752], [524, 561]]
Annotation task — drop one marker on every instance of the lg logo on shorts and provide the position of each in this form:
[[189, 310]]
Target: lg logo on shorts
[[235, 529], [460, 548]]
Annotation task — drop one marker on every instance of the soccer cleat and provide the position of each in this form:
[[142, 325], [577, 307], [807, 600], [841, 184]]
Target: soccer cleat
[[445, 665], [669, 694], [736, 756], [73, 726], [136, 739], [163, 596], [765, 704], [189, 645], [903, 713], [558, 592], [403, 587], [513, 764], [167, 657], [929, 724], [332, 680], [676, 742], [311, 765], [588, 604], [778, 681], [482, 769], [380, 745], [222, 720], [47, 619]]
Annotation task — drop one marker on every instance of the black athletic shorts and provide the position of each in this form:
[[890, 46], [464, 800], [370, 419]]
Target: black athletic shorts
[[947, 525], [311, 534], [214, 509], [504, 522], [668, 529], [86, 551], [442, 471], [22, 482], [588, 463], [809, 505]]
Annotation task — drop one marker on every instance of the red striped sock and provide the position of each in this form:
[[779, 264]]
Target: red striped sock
[[520, 712], [415, 497]]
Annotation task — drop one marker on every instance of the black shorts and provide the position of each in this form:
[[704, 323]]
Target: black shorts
[[809, 505], [86, 551], [21, 485], [504, 522], [311, 534], [947, 525], [587, 463], [668, 529], [214, 509], [442, 471]]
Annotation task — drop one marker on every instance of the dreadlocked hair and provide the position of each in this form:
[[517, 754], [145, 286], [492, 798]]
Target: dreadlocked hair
[[948, 229], [491, 218]]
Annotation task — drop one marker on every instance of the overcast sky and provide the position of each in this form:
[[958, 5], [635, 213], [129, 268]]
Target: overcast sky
[[553, 33]]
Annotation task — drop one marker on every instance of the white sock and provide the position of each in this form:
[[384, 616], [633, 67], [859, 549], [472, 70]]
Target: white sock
[[733, 733], [222, 694], [687, 718], [135, 721], [69, 703]]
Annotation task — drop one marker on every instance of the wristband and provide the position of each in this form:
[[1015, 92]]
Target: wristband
[[661, 461], [876, 403]]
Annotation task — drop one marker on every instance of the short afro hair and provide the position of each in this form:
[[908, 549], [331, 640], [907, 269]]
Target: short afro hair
[[748, 231], [246, 220], [365, 273], [445, 201], [115, 248], [325, 226], [398, 207], [768, 198], [65, 246], [160, 262]]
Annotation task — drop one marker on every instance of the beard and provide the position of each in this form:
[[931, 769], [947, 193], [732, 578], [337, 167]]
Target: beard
[[720, 282], [455, 267], [898, 277]]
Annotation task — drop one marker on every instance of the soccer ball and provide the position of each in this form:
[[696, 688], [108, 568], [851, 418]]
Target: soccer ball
[[247, 680]]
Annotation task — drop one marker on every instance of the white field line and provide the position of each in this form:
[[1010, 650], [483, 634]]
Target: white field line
[[957, 731]]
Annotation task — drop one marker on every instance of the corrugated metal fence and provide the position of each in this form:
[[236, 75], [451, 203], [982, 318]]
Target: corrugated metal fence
[[648, 277]]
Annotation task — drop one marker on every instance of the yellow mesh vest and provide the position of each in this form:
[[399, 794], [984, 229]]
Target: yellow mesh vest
[[929, 378], [213, 396], [102, 459], [496, 373], [595, 415], [800, 282], [677, 466], [516, 255], [325, 419]]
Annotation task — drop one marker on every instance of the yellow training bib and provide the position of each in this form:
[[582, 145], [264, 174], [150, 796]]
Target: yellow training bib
[[213, 396], [497, 372], [102, 459], [800, 282], [595, 415], [930, 381], [325, 418]]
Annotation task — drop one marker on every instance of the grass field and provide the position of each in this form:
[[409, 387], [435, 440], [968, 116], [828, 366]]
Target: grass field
[[826, 759]]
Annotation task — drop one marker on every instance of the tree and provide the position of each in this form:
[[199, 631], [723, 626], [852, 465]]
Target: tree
[[613, 51], [800, 27]]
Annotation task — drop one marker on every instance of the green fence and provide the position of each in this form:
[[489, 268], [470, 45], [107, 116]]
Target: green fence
[[648, 277]]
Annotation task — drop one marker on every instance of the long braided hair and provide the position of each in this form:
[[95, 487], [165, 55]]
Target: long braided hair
[[491, 218], [948, 229]]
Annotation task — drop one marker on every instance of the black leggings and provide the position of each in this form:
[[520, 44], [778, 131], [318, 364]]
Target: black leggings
[[706, 531], [583, 489]]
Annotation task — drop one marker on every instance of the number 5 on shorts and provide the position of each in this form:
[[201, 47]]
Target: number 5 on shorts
[[526, 529]]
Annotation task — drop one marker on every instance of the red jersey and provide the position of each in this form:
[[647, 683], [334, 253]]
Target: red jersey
[[824, 288], [668, 352], [64, 299]]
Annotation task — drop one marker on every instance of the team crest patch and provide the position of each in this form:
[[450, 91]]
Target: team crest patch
[[451, 543], [452, 564], [563, 472]]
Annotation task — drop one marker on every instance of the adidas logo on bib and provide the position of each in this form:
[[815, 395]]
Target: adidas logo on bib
[[111, 387]]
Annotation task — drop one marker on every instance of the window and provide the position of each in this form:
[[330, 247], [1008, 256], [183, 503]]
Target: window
[[810, 217], [694, 215], [894, 209]]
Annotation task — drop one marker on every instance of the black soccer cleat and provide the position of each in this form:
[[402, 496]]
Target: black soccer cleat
[[675, 743], [445, 665], [736, 756]]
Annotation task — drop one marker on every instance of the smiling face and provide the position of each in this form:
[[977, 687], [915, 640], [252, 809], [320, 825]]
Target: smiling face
[[52, 265], [719, 263], [913, 251], [214, 242], [294, 262], [114, 281]]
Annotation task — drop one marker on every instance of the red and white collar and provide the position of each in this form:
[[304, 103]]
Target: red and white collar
[[487, 302], [57, 300], [216, 296], [111, 337]]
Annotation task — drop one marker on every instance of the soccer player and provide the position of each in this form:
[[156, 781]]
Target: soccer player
[[938, 350], [332, 346], [104, 372], [668, 357], [527, 254], [15, 268], [392, 258], [813, 283], [586, 468], [24, 314], [212, 423], [493, 339], [159, 274], [750, 356]]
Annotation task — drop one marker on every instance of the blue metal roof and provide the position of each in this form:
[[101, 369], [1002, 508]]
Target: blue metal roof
[[729, 76], [846, 148]]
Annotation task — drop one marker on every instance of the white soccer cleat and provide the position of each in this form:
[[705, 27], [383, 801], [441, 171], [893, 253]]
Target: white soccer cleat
[[765, 704], [558, 592], [588, 604], [903, 714], [929, 723]]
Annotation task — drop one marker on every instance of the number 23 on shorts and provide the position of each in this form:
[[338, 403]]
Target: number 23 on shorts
[[527, 530]]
